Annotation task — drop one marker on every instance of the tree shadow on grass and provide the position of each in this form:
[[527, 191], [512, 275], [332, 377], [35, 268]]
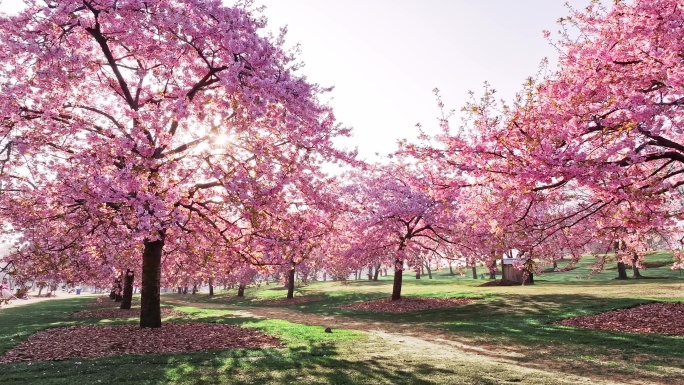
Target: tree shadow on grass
[[310, 363], [520, 319]]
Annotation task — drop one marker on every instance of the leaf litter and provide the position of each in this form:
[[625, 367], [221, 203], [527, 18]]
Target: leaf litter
[[657, 318], [123, 313], [93, 341], [289, 301], [405, 305]]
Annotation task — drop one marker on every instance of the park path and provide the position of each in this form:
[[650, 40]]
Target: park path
[[33, 298], [422, 340]]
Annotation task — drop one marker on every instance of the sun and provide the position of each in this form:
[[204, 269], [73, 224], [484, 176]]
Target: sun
[[220, 140]]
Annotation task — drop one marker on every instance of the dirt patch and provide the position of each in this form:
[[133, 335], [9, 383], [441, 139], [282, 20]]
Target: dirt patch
[[292, 301], [656, 318], [106, 301], [122, 313], [500, 282], [653, 265], [230, 299], [102, 341], [406, 305]]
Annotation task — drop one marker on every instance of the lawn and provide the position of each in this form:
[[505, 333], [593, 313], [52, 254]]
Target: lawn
[[507, 335]]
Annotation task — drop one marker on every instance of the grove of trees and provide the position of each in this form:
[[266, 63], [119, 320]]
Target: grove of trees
[[175, 143]]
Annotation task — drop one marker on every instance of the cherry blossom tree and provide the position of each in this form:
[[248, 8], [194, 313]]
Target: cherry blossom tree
[[156, 114], [397, 219], [599, 138]]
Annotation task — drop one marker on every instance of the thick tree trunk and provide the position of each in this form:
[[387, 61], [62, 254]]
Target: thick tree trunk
[[127, 290], [211, 287], [241, 291], [396, 286], [118, 292], [194, 289], [291, 283], [635, 269], [377, 272], [429, 271], [325, 277], [422, 269], [185, 290], [622, 271], [150, 310], [555, 264], [180, 290], [418, 273], [474, 272], [451, 269], [492, 269], [370, 272]]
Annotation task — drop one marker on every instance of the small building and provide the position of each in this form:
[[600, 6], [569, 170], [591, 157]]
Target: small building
[[511, 271]]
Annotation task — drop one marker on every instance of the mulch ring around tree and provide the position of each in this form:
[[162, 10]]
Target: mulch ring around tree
[[657, 318], [405, 305], [106, 301], [500, 282], [285, 301], [102, 341], [123, 313]]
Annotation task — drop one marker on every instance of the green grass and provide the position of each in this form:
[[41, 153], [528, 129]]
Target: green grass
[[507, 335]]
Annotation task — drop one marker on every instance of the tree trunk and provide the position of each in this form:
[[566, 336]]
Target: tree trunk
[[422, 269], [40, 290], [555, 265], [370, 272], [377, 272], [492, 269], [429, 271], [325, 277], [194, 289], [622, 271], [150, 310], [396, 286], [451, 269], [185, 290], [211, 287], [241, 290], [180, 290], [118, 292], [127, 290], [418, 273], [474, 272], [291, 283], [635, 269]]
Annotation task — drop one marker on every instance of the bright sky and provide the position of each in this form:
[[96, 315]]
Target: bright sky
[[385, 57]]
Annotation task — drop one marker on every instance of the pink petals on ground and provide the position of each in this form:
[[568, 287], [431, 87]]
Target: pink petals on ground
[[292, 301], [122, 313], [406, 305], [657, 318], [102, 341]]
